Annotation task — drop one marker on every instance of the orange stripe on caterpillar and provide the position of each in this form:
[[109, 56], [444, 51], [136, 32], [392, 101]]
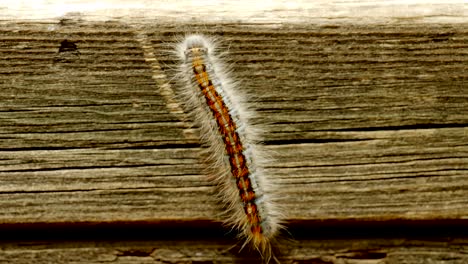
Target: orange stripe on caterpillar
[[218, 108]]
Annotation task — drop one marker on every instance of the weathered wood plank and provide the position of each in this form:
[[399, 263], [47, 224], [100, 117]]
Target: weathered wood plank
[[366, 122], [328, 251], [273, 11], [364, 105]]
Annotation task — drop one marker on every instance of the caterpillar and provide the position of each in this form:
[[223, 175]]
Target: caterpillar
[[233, 156]]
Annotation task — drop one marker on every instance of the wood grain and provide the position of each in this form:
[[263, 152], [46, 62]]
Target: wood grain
[[363, 12], [367, 123], [364, 122], [366, 251]]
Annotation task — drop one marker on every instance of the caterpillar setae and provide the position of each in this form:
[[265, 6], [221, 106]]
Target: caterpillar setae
[[233, 156]]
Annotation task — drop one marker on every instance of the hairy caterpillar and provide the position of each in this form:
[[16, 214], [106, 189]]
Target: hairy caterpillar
[[216, 105]]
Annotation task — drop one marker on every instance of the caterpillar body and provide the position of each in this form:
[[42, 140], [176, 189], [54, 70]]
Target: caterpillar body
[[220, 110]]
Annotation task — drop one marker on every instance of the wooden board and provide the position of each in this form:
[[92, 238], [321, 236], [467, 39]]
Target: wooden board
[[363, 122], [356, 251], [366, 122]]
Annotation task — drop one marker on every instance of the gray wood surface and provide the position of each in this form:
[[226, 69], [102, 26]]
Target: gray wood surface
[[364, 122], [353, 251]]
